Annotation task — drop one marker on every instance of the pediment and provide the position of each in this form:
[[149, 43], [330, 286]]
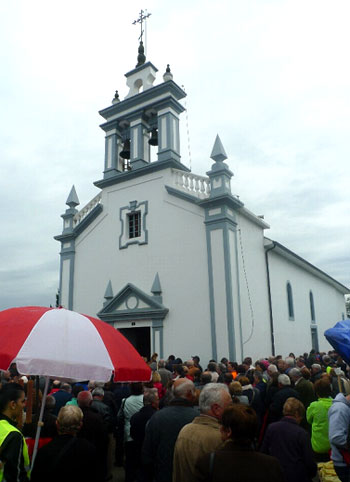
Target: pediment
[[132, 303]]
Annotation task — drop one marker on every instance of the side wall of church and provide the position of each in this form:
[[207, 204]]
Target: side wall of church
[[294, 334], [256, 339]]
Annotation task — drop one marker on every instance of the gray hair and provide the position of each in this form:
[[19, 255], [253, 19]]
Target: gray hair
[[316, 366], [272, 368], [181, 390], [210, 394], [284, 380], [161, 363], [98, 392], [290, 361], [295, 373], [149, 396]]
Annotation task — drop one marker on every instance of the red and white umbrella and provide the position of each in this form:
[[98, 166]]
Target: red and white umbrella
[[58, 343]]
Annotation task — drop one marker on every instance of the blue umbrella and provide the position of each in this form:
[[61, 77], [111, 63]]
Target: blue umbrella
[[339, 338]]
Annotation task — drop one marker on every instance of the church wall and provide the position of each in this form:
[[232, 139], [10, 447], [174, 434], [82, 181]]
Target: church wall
[[176, 249], [256, 338], [295, 334]]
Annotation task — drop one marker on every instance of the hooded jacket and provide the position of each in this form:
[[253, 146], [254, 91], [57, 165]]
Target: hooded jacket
[[339, 428]]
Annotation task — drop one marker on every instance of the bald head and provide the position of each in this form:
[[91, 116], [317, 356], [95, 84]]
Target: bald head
[[84, 398]]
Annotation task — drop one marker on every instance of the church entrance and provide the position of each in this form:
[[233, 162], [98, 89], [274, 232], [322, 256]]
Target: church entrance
[[140, 338]]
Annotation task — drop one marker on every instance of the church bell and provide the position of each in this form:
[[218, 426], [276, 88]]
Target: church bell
[[153, 141], [125, 153]]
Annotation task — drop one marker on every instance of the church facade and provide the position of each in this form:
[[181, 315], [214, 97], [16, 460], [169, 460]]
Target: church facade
[[174, 260]]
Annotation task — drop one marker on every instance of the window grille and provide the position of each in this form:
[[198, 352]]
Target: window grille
[[134, 224]]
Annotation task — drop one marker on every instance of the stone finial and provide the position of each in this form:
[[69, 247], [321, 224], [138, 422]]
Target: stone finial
[[116, 98], [72, 199], [141, 58], [108, 293], [156, 288], [218, 153], [167, 75]]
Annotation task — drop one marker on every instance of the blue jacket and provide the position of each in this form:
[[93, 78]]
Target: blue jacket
[[339, 426]]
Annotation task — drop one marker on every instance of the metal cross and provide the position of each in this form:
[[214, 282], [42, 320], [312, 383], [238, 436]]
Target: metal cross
[[143, 16]]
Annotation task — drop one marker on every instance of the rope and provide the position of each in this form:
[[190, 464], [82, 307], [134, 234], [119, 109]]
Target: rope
[[248, 291]]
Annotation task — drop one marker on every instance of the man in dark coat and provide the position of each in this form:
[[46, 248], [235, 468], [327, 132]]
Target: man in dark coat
[[303, 387], [94, 430], [138, 424], [162, 431], [62, 396], [290, 444], [67, 457], [285, 391]]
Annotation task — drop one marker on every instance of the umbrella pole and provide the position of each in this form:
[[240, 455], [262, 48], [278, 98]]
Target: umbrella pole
[[38, 429]]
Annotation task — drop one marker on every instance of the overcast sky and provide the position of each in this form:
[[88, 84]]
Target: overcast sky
[[271, 77]]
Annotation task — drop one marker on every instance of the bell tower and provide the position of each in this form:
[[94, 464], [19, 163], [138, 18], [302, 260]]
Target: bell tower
[[147, 116]]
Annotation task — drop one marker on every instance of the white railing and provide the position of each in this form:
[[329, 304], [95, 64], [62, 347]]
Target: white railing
[[193, 184], [87, 209]]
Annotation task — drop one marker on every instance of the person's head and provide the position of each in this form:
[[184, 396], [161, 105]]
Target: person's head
[[258, 376], [196, 359], [69, 420], [228, 378], [244, 381], [315, 368], [98, 393], [189, 363], [136, 388], [184, 388], [294, 374], [151, 398], [283, 380], [239, 423], [161, 363], [235, 388], [294, 408], [84, 398], [323, 388], [281, 366], [212, 367], [271, 369], [76, 389], [154, 357], [205, 378], [248, 361], [156, 377], [213, 400], [179, 370], [306, 373], [50, 402], [12, 401], [300, 362], [66, 387], [56, 384], [326, 359], [290, 361]]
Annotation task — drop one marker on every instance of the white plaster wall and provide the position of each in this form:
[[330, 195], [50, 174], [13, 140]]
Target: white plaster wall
[[253, 284], [176, 249], [329, 304]]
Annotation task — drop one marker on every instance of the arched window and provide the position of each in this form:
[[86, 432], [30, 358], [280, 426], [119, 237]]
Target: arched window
[[312, 307], [290, 301]]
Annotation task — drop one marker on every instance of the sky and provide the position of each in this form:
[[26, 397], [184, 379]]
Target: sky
[[271, 77]]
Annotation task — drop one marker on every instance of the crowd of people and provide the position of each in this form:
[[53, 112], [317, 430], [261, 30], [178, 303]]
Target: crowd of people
[[272, 420]]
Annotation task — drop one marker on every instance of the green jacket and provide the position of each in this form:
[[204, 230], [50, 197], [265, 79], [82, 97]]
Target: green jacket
[[317, 416]]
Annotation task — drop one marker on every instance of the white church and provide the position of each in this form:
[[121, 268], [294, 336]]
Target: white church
[[174, 260]]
